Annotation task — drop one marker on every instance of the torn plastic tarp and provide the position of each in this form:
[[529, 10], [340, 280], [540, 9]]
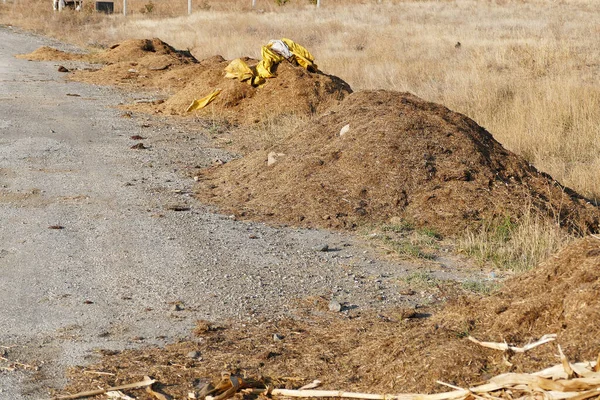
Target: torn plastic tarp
[[272, 54], [203, 102]]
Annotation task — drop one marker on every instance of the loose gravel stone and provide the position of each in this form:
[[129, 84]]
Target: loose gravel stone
[[335, 306], [277, 337], [193, 354]]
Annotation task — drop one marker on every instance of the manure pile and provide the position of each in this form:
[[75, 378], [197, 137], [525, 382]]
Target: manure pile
[[293, 91], [402, 157], [46, 53], [141, 63], [369, 157], [153, 63], [559, 296]]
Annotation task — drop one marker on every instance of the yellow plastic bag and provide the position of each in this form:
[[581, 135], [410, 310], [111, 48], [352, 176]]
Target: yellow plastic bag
[[238, 69], [203, 102], [257, 75], [264, 68], [303, 56]]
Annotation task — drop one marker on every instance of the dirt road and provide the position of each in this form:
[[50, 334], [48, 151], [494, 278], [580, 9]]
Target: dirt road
[[92, 256]]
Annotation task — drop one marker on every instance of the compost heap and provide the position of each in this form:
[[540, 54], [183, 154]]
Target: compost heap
[[141, 63], [293, 90], [386, 353], [46, 53], [403, 158], [152, 63], [559, 296]]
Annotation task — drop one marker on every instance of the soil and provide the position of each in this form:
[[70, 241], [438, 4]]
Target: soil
[[387, 353], [403, 158]]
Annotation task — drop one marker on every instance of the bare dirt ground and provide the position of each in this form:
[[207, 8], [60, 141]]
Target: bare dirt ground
[[104, 246]]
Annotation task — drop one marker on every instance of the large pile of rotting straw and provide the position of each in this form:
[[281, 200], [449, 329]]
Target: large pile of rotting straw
[[381, 155], [278, 85], [578, 381]]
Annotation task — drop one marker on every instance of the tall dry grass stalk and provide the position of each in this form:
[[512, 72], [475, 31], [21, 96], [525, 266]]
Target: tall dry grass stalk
[[526, 70]]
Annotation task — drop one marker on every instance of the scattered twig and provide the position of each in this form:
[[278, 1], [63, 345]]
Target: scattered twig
[[505, 346], [157, 395], [455, 395], [449, 385], [565, 363], [99, 373], [116, 394], [80, 395], [314, 384]]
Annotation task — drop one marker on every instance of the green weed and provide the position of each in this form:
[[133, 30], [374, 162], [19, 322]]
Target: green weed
[[516, 245], [479, 287], [421, 279]]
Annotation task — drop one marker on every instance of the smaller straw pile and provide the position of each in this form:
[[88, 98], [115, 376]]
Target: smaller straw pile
[[563, 381], [574, 381]]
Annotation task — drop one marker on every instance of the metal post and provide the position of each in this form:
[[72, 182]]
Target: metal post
[[253, 3], [125, 7], [189, 7], [318, 3]]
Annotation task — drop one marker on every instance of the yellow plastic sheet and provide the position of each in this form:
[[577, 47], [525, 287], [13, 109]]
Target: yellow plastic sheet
[[269, 59], [238, 69], [258, 74], [303, 56], [203, 102]]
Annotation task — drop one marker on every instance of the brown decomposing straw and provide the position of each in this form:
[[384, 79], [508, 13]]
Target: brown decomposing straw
[[573, 381]]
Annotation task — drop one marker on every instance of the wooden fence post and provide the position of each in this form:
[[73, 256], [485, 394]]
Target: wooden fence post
[[318, 3], [189, 7], [125, 7]]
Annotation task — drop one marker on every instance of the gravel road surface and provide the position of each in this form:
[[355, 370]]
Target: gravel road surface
[[92, 256]]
